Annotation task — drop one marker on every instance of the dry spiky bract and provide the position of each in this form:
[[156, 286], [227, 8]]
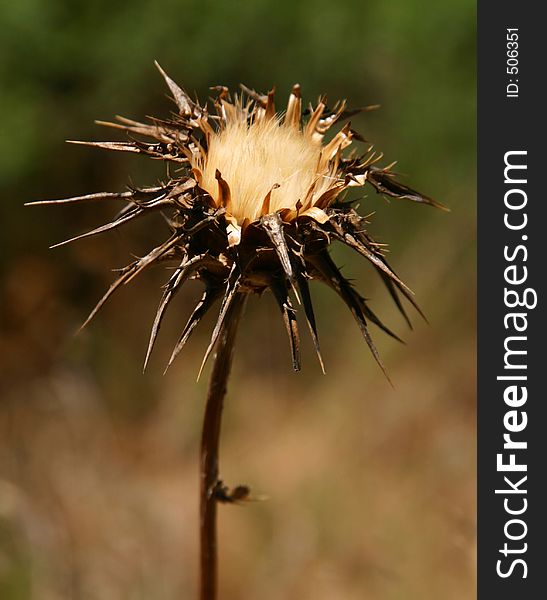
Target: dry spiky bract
[[254, 206]]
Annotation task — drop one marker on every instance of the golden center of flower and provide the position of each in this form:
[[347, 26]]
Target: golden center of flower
[[255, 160]]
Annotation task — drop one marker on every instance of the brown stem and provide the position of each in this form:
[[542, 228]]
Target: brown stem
[[209, 466]]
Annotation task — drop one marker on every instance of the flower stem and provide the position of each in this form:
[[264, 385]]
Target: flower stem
[[209, 467]]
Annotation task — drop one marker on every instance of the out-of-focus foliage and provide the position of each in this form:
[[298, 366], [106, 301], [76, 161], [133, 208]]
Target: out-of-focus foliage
[[372, 489]]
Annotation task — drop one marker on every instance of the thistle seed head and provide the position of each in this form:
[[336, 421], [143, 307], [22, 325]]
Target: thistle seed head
[[254, 206], [267, 166]]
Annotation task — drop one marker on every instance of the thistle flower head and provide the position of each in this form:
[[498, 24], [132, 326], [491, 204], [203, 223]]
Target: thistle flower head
[[254, 206]]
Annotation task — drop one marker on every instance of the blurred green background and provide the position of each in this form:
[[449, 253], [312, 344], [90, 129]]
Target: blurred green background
[[371, 488]]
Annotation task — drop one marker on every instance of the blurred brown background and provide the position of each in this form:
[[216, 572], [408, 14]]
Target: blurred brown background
[[371, 489]]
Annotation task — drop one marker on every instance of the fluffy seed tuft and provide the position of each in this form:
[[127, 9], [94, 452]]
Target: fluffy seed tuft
[[261, 159]]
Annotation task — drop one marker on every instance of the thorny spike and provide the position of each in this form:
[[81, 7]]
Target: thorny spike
[[373, 318], [208, 298], [116, 146], [408, 295], [273, 226], [165, 133], [86, 198], [132, 195], [281, 293], [232, 286], [399, 285], [395, 296], [182, 100], [351, 112], [179, 277], [135, 209], [154, 150], [365, 251], [332, 277], [310, 316], [383, 181], [140, 128], [131, 271], [131, 214], [121, 280]]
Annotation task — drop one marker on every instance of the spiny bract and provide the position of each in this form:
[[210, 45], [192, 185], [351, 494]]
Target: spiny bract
[[254, 207]]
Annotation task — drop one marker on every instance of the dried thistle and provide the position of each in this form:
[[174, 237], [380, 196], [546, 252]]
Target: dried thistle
[[254, 206]]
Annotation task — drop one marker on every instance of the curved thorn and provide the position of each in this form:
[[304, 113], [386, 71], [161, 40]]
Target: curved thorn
[[122, 279], [362, 248], [209, 297], [129, 272], [408, 294], [156, 254], [384, 183], [230, 293], [373, 318], [281, 293], [391, 288], [181, 98], [128, 216], [310, 316], [387, 273], [332, 277], [179, 277]]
